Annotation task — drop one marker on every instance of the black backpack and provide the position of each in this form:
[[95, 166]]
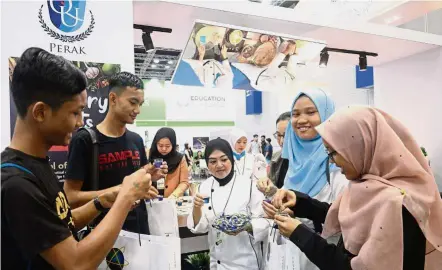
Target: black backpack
[[93, 173]]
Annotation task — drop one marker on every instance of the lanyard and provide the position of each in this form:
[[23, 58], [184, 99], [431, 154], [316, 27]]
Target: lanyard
[[211, 200]]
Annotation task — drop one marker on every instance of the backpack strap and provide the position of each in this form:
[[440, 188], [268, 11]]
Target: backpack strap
[[13, 165], [94, 164], [21, 168]]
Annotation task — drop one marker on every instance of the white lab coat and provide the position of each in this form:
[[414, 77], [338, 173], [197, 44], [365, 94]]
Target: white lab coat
[[251, 166], [234, 252]]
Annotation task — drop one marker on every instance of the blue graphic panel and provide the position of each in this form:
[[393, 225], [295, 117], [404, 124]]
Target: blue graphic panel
[[68, 15]]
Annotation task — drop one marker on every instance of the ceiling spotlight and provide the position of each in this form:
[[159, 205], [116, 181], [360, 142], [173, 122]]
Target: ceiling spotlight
[[147, 41], [153, 66], [166, 67], [323, 61], [156, 61], [362, 62], [170, 62]]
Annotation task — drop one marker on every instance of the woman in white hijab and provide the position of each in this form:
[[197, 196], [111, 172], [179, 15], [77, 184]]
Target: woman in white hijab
[[246, 164]]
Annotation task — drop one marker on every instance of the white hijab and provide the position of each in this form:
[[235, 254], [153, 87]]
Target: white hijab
[[235, 135]]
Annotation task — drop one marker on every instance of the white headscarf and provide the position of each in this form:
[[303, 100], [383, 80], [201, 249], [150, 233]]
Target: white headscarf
[[235, 135]]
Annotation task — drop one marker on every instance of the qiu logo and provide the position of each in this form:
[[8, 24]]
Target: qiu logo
[[68, 16]]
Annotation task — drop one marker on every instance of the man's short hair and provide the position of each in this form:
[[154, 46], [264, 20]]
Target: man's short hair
[[263, 136], [42, 76], [269, 140], [284, 117], [120, 81], [255, 136]]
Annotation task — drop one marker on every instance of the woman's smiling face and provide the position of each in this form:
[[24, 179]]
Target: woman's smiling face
[[305, 117]]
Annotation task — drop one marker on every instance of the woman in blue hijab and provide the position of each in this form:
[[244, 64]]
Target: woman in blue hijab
[[309, 169]]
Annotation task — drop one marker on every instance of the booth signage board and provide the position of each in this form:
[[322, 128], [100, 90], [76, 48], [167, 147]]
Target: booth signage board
[[78, 28], [78, 31], [185, 106], [233, 57]]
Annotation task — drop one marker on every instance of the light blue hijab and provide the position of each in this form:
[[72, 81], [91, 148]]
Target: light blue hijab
[[307, 158]]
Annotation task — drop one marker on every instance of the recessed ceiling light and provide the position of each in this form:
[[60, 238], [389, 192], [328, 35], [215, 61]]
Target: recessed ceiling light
[[170, 62], [166, 67], [156, 61], [153, 66]]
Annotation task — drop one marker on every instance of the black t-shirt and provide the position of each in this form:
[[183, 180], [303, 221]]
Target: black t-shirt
[[117, 158], [35, 212], [263, 147]]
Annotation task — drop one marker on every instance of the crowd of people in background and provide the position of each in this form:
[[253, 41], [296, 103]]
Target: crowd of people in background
[[350, 189]]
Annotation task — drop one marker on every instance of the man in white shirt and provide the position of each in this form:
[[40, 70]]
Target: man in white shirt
[[255, 147]]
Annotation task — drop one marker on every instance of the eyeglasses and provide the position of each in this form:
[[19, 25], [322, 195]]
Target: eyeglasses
[[278, 136], [331, 155]]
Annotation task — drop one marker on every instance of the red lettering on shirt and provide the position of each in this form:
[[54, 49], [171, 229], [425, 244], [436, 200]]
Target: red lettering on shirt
[[124, 155]]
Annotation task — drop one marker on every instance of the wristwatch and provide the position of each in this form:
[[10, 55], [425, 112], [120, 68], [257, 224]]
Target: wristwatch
[[98, 205]]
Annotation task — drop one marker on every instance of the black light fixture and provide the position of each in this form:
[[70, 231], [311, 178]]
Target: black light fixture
[[147, 41], [362, 62], [362, 56], [323, 61], [147, 31]]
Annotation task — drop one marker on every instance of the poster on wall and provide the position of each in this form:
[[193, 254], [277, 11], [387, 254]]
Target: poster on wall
[[199, 143], [224, 56], [97, 75]]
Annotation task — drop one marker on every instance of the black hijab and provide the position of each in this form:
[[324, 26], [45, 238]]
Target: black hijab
[[223, 146], [174, 158]]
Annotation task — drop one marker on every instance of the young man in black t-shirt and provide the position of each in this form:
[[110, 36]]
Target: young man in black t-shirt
[[37, 225], [121, 151], [263, 144]]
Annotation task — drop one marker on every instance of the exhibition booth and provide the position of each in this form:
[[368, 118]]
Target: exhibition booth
[[210, 66]]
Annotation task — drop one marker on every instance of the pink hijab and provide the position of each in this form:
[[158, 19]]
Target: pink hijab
[[394, 173]]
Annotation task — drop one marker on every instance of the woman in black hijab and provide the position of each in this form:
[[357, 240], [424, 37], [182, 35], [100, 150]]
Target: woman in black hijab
[[225, 174], [164, 147], [228, 193]]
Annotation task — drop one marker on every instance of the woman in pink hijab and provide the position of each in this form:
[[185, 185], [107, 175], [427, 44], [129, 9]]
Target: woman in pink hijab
[[390, 216]]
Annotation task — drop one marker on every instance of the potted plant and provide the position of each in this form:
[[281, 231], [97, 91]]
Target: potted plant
[[200, 261]]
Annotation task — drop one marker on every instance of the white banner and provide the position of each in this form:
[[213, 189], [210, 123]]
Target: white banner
[[87, 31], [200, 104]]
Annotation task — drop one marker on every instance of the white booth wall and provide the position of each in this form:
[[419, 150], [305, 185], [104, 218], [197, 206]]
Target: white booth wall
[[411, 90]]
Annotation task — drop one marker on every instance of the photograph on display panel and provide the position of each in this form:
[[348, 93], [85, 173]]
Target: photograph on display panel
[[278, 3], [97, 75], [231, 57], [199, 143]]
